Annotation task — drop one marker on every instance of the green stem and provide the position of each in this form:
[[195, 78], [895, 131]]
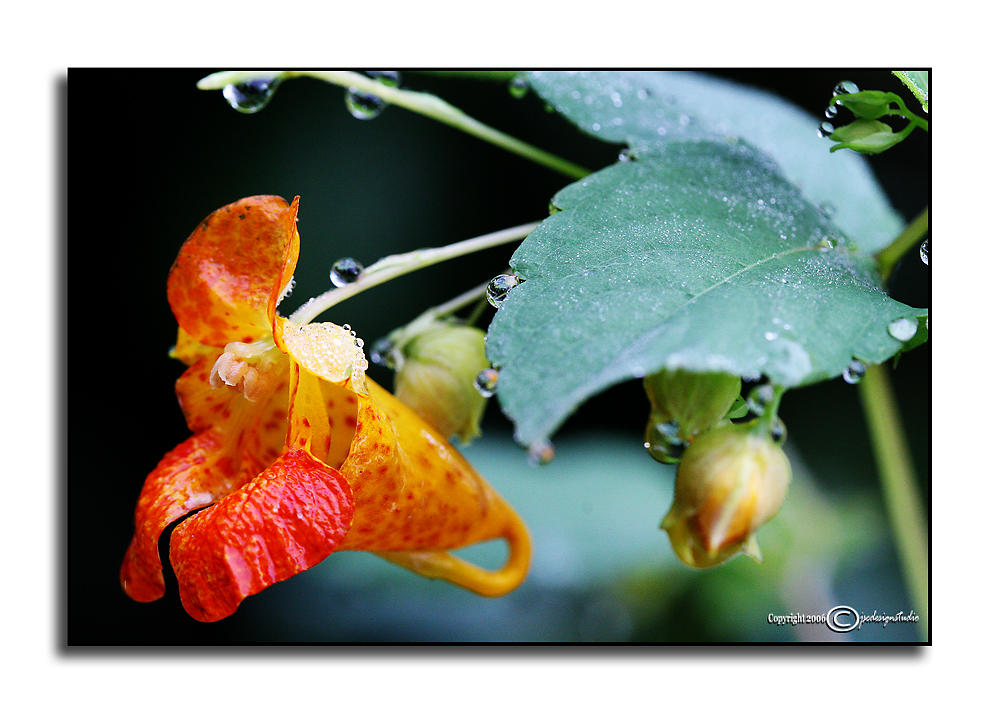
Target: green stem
[[899, 484], [495, 75], [911, 235], [393, 266], [418, 102]]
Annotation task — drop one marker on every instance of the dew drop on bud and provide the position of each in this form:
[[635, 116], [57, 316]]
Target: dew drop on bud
[[344, 271], [759, 398], [541, 452], [903, 329], [845, 87], [825, 129], [249, 97], [499, 288], [830, 112], [778, 432], [518, 87], [664, 442], [925, 250], [486, 382], [854, 371], [383, 353]]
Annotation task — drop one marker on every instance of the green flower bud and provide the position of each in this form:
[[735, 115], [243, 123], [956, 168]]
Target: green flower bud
[[866, 136], [869, 104], [683, 404], [437, 378], [730, 482]]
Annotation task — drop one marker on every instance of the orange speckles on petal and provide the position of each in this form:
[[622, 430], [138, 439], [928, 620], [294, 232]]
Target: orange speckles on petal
[[224, 283], [282, 522]]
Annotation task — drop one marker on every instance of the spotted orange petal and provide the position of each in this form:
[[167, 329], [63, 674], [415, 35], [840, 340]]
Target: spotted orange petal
[[284, 521], [415, 496], [190, 476], [230, 272]]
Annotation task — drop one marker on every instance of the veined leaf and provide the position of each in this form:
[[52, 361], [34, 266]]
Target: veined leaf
[[701, 256], [917, 82], [650, 111]]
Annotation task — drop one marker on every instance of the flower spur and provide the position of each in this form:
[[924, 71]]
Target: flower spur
[[295, 453]]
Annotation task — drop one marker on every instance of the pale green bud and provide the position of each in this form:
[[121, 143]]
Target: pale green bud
[[437, 378], [730, 482]]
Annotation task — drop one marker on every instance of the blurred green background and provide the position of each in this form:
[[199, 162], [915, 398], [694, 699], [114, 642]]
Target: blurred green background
[[149, 156]]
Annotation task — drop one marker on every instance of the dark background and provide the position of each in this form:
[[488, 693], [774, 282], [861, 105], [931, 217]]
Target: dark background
[[149, 156]]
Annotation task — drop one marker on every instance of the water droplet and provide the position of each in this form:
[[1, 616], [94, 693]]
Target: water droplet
[[595, 126], [664, 442], [925, 250], [759, 398], [828, 243], [384, 354], [825, 129], [499, 287], [486, 382], [250, 97], [846, 87], [903, 329], [626, 155], [518, 87], [827, 209], [778, 432], [830, 112], [541, 452], [854, 371], [344, 271], [367, 106], [770, 336]]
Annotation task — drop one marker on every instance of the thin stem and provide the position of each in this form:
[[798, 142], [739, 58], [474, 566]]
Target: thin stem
[[418, 102], [899, 484], [910, 236], [393, 266]]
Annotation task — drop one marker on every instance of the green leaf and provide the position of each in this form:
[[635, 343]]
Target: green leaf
[[917, 82], [650, 111], [701, 257]]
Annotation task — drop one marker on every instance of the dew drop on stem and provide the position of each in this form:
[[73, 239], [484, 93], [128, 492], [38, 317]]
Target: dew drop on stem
[[344, 271], [518, 87], [845, 87], [362, 105], [250, 97], [759, 398]]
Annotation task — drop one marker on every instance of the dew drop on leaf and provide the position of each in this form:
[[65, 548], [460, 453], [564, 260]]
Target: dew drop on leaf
[[249, 97], [541, 452], [830, 112], [499, 288], [903, 329], [854, 371], [344, 271], [845, 87], [825, 129], [925, 250], [518, 87], [486, 382]]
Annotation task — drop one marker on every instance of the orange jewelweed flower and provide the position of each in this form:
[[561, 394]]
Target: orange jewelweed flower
[[295, 453]]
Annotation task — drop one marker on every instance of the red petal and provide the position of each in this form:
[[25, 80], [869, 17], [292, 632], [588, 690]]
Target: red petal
[[287, 519], [229, 273], [187, 478]]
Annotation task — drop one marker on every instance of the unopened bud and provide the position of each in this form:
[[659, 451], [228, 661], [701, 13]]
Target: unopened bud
[[869, 104], [730, 482], [866, 136], [683, 404], [438, 378]]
